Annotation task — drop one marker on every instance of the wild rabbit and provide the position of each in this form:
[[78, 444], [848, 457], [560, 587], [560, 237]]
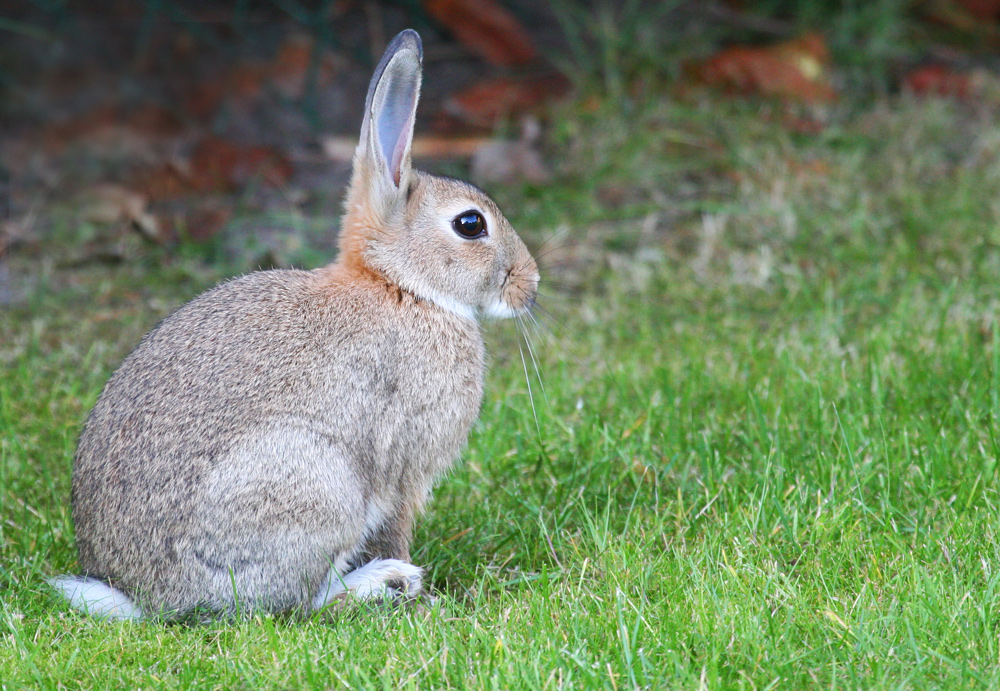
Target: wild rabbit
[[267, 447]]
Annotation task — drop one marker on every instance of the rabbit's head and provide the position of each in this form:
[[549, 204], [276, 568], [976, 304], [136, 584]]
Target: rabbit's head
[[441, 239]]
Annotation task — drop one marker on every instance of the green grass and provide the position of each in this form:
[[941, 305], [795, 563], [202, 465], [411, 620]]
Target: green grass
[[765, 457]]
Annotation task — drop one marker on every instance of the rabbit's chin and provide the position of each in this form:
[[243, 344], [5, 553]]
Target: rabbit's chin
[[445, 302], [454, 306], [501, 310], [496, 310]]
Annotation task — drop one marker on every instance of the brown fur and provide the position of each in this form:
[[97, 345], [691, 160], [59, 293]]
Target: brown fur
[[287, 421]]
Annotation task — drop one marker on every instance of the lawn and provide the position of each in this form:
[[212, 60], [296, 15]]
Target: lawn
[[759, 449]]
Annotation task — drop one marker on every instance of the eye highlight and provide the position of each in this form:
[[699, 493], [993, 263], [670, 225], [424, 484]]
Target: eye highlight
[[470, 225]]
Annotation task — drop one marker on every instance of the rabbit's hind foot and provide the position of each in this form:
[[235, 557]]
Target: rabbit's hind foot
[[97, 598], [379, 579]]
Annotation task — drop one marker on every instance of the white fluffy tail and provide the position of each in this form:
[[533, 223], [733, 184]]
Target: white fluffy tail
[[96, 598]]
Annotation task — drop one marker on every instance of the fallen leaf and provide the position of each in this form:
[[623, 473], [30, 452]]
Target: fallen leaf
[[289, 69], [112, 131], [241, 83], [220, 165], [486, 28], [983, 10], [795, 70], [341, 148], [440, 147], [217, 165], [294, 56], [286, 72], [938, 80], [488, 100]]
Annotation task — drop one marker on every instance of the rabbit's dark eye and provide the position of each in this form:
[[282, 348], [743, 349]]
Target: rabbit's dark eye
[[470, 225]]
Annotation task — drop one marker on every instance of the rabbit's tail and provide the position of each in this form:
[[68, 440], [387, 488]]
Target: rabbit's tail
[[96, 598]]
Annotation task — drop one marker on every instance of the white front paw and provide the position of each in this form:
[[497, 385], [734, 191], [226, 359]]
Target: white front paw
[[385, 578]]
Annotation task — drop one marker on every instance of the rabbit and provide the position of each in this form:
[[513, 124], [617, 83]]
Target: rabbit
[[267, 447]]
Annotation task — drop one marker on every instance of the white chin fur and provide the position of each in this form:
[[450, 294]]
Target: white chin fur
[[455, 307], [500, 310], [444, 302]]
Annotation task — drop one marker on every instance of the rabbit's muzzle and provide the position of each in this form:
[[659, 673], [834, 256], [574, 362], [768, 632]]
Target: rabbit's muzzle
[[520, 286]]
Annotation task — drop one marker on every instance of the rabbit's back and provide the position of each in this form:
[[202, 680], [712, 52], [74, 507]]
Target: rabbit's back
[[263, 430]]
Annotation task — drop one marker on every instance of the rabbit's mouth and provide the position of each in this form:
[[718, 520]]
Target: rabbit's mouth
[[517, 295]]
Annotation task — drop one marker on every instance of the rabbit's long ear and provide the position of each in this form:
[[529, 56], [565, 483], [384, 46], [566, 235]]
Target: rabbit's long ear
[[390, 111]]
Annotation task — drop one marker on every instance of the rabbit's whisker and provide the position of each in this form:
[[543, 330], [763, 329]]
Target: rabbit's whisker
[[545, 313], [546, 331], [545, 242], [534, 361], [596, 246], [531, 397], [561, 264], [561, 296]]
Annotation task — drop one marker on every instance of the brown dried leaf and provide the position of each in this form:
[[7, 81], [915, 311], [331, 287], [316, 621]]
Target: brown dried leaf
[[795, 70], [218, 164], [486, 28], [488, 100], [341, 148], [981, 10], [938, 80]]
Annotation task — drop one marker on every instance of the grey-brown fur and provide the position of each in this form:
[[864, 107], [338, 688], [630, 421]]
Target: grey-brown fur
[[276, 436], [179, 485]]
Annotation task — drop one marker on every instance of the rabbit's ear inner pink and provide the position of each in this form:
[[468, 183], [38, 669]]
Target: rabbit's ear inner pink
[[391, 109]]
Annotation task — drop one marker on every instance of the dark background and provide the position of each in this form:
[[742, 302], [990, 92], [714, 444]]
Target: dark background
[[181, 120]]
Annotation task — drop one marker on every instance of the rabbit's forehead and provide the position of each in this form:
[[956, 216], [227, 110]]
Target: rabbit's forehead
[[449, 197], [449, 209]]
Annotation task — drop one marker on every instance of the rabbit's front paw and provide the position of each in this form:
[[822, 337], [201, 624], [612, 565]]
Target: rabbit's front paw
[[385, 578]]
